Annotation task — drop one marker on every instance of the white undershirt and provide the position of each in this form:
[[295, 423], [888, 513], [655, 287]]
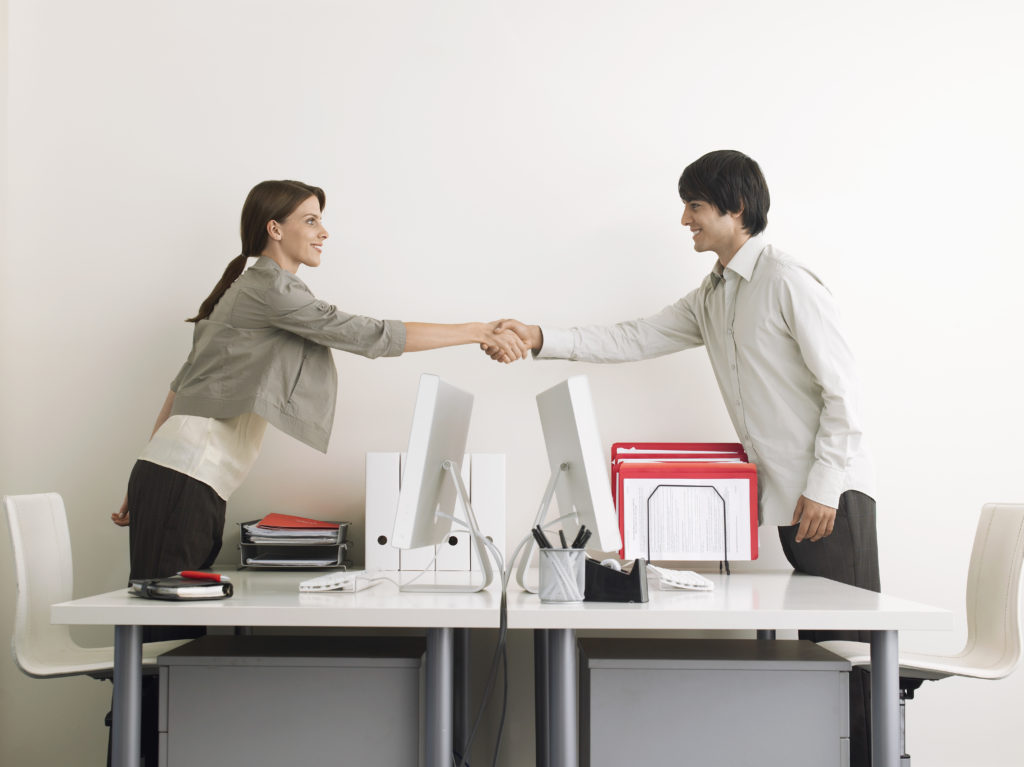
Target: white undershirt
[[217, 452]]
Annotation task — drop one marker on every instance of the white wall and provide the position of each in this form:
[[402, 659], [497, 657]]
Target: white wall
[[484, 159]]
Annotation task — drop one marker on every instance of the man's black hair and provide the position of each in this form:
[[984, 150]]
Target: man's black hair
[[731, 182]]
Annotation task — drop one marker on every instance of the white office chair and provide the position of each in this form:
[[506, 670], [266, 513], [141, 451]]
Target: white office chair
[[43, 574], [993, 645]]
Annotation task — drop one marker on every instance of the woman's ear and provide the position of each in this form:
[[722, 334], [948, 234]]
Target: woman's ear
[[274, 230]]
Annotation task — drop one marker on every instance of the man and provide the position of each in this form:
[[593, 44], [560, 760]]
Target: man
[[786, 374]]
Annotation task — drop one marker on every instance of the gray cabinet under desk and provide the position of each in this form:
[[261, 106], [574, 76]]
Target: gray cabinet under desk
[[712, 702], [260, 700]]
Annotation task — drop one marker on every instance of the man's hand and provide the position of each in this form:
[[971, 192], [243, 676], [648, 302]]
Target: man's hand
[[816, 520], [502, 344], [120, 518], [530, 335]]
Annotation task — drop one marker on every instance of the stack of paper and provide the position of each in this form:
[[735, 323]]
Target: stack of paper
[[685, 501], [284, 528]]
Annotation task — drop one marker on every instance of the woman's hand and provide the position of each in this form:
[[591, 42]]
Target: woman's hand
[[530, 338], [506, 345], [120, 518], [502, 344]]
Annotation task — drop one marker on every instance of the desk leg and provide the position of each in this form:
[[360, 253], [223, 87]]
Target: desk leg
[[541, 696], [126, 722], [563, 730], [461, 724], [885, 712], [439, 697]]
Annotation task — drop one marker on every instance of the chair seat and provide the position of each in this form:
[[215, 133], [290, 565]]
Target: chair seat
[[72, 659], [921, 665]]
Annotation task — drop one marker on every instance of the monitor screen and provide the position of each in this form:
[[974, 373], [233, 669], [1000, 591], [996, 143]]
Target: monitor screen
[[569, 424], [440, 428]]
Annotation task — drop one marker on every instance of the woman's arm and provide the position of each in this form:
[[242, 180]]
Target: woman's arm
[[120, 517], [165, 412], [420, 336]]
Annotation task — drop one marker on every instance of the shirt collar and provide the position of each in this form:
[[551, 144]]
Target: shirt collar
[[744, 261]]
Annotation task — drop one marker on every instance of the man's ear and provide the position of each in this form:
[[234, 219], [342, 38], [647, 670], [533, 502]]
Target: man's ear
[[738, 215]]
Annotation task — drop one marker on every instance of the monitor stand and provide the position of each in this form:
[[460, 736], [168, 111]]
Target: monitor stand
[[452, 469], [542, 513]]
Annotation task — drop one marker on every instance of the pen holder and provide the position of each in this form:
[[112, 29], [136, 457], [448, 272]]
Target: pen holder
[[562, 575]]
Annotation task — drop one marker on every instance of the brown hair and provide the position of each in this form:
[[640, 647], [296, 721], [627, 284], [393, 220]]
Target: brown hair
[[267, 201]]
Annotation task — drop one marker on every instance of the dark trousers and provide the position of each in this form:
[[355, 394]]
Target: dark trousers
[[848, 555], [177, 523]]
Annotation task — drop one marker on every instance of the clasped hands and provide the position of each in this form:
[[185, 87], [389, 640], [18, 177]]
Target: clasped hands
[[511, 340]]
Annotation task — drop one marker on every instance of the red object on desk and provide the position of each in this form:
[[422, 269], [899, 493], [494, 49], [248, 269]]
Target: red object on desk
[[287, 521], [682, 460], [198, 575]]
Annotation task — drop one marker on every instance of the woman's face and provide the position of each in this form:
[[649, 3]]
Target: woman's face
[[299, 239]]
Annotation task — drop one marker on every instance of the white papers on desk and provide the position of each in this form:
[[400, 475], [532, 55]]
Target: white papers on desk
[[257, 534], [304, 540], [690, 518], [271, 560]]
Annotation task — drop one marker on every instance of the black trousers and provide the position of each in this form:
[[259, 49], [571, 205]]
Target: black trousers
[[848, 555], [177, 523]]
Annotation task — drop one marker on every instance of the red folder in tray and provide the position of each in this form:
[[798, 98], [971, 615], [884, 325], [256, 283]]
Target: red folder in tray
[[685, 501], [289, 522]]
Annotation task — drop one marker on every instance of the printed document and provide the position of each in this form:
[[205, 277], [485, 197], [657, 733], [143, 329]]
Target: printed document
[[686, 518]]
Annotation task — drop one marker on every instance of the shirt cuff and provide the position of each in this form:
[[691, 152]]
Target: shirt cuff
[[557, 344], [825, 484], [396, 337]]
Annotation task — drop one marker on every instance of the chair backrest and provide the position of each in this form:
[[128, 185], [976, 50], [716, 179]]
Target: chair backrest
[[43, 576], [993, 591]]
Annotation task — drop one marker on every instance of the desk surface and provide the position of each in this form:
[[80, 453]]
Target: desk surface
[[760, 600], [272, 598], [753, 600]]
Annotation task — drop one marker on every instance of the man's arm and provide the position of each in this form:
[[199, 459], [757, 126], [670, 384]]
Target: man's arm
[[672, 329], [813, 317]]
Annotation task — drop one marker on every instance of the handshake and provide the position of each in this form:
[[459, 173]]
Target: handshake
[[510, 340]]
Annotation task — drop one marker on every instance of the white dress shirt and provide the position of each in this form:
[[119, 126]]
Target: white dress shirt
[[218, 452], [772, 334]]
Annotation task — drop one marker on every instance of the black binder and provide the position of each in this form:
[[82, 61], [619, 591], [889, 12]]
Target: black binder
[[179, 588]]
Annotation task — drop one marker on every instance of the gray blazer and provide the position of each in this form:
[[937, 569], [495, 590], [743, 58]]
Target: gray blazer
[[264, 350]]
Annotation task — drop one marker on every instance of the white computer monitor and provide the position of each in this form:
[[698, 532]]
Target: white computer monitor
[[580, 475], [431, 477]]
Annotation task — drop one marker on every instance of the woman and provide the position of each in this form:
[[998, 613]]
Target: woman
[[260, 353]]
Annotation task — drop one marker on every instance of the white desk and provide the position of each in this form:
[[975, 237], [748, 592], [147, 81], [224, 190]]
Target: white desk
[[742, 601], [272, 598]]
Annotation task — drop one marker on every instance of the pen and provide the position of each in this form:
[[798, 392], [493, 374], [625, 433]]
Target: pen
[[577, 541], [541, 540], [561, 537], [196, 575], [584, 539], [542, 534]]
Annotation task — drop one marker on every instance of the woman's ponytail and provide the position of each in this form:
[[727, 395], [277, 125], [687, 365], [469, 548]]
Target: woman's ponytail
[[234, 269]]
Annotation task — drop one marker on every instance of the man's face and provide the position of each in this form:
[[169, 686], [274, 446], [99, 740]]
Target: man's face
[[713, 230]]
